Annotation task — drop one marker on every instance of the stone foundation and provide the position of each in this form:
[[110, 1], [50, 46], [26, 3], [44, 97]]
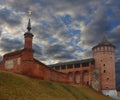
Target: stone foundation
[[111, 93]]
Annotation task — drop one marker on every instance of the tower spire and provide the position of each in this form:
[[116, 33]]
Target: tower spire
[[28, 35], [104, 39], [29, 22], [29, 25]]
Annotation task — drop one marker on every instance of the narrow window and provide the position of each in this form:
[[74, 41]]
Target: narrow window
[[77, 65], [63, 67], [85, 64], [104, 71], [107, 78], [106, 87], [70, 66], [87, 83], [57, 67]]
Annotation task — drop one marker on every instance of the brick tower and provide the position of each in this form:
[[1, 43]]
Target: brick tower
[[28, 37], [104, 55]]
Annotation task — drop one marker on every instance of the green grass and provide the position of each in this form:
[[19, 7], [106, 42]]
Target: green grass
[[18, 87], [118, 94]]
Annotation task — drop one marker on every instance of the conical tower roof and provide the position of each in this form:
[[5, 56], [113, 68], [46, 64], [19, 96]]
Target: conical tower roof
[[104, 42], [29, 25]]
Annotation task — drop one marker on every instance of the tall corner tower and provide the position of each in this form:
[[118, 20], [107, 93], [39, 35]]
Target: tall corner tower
[[104, 55]]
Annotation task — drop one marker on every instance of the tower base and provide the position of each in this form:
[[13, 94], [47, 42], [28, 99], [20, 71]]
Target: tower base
[[111, 93]]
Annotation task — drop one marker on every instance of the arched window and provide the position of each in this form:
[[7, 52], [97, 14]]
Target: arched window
[[101, 48]]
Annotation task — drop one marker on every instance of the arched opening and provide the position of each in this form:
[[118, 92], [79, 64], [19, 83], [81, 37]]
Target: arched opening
[[86, 77], [70, 77], [77, 77]]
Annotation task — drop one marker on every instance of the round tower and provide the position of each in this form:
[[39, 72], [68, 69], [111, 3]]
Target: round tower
[[104, 55]]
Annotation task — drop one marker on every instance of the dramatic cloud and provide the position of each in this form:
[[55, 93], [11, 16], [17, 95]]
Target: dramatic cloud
[[9, 17], [63, 30], [8, 44]]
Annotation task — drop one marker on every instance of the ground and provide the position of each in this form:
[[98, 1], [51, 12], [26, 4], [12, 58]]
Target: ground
[[18, 87], [119, 94]]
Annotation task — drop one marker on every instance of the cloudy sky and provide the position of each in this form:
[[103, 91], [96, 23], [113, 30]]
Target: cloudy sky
[[64, 30]]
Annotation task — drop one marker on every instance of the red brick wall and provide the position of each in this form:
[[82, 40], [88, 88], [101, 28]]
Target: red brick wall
[[33, 68], [78, 75], [44, 72], [16, 59], [105, 61]]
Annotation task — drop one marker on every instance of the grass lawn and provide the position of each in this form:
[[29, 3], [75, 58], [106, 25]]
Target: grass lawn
[[18, 87]]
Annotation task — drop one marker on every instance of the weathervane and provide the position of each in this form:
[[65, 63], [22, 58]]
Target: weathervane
[[29, 13], [29, 24]]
